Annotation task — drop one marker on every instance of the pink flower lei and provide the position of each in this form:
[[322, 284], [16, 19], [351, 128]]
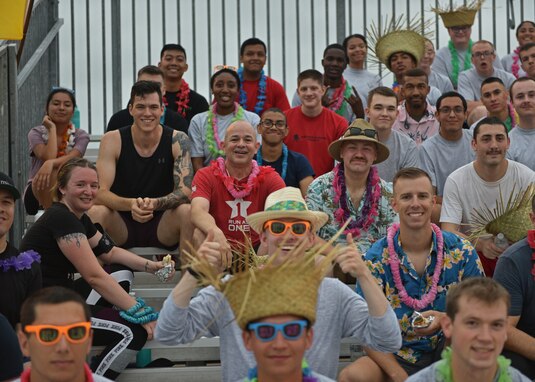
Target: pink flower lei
[[394, 262], [515, 67], [371, 203], [230, 182]]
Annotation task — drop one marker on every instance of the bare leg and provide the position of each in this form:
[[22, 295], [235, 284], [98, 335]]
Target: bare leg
[[44, 196], [363, 369], [175, 226], [111, 222]]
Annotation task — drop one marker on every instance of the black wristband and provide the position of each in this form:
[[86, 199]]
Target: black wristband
[[193, 273]]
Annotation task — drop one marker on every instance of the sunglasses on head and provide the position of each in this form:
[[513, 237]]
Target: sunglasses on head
[[370, 133], [54, 88], [277, 227], [266, 331], [50, 334]]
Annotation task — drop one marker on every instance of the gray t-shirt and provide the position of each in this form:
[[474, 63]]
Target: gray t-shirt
[[319, 378], [363, 81], [429, 374], [340, 313], [507, 63], [197, 132], [440, 157], [433, 95], [403, 153], [348, 111], [440, 81], [522, 146], [470, 82]]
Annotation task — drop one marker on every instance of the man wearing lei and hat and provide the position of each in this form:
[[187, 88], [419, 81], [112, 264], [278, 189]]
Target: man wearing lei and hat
[[353, 189], [516, 272], [230, 189], [258, 92], [415, 265], [476, 326], [286, 227], [20, 273], [455, 58]]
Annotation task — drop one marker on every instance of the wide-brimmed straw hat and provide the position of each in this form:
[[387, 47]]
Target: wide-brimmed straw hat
[[286, 203], [459, 16], [360, 130]]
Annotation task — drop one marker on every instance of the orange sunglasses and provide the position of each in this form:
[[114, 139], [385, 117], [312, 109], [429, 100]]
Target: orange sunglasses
[[277, 227], [50, 334]]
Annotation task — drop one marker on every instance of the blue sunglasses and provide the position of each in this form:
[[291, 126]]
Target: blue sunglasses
[[266, 331]]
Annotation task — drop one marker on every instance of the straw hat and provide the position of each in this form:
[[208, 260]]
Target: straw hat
[[286, 203], [397, 37], [351, 135], [460, 16]]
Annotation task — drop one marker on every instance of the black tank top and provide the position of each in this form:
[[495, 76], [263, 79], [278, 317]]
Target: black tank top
[[137, 176]]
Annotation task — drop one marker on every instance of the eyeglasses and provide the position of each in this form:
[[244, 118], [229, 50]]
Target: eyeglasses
[[370, 133], [217, 68], [277, 228], [266, 331], [268, 123], [462, 28], [482, 54], [50, 334], [448, 110]]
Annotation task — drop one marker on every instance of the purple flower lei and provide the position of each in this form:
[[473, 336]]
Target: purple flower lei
[[20, 262], [260, 98]]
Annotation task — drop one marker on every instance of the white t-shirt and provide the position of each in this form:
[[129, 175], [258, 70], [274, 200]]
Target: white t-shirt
[[465, 191]]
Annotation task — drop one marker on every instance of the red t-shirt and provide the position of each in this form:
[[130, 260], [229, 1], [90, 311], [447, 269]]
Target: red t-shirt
[[312, 136], [275, 95], [230, 213]]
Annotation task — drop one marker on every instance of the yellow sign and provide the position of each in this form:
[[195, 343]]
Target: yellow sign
[[12, 19]]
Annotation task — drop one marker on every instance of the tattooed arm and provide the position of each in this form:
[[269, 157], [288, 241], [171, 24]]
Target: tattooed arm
[[182, 174]]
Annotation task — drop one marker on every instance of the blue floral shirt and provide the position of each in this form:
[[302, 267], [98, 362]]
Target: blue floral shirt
[[460, 261], [320, 197]]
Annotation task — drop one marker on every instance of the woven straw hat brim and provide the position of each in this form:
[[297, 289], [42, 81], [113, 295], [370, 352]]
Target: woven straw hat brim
[[382, 151], [257, 220], [400, 41], [458, 18]]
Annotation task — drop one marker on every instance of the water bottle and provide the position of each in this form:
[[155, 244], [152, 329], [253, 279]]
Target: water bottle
[[500, 241], [76, 118]]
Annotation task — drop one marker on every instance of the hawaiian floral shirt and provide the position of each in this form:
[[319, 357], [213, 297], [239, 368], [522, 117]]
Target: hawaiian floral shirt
[[320, 197], [460, 261]]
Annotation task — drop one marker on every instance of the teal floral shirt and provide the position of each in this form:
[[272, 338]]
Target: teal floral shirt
[[320, 197], [460, 261]]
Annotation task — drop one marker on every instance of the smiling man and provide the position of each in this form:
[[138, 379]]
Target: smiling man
[[145, 175], [56, 334], [476, 325], [415, 264], [258, 92], [523, 136], [481, 184]]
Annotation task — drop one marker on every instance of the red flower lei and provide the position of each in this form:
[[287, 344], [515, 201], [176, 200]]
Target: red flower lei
[[394, 266], [230, 183], [182, 99], [62, 147], [515, 67], [531, 242], [371, 203]]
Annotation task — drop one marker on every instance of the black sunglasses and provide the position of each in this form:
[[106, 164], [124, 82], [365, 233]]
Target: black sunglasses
[[370, 133]]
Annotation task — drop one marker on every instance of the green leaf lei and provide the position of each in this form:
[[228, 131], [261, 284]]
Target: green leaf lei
[[212, 137], [455, 61]]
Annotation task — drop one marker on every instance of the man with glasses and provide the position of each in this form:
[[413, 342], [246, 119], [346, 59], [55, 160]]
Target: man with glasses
[[286, 226], [354, 190], [451, 147], [527, 58], [470, 80], [482, 184], [293, 167], [453, 59], [56, 334]]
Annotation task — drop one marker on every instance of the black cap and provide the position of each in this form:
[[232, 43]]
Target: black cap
[[6, 183]]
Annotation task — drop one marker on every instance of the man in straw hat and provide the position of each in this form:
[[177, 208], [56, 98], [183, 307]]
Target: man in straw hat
[[285, 226], [451, 60], [415, 264], [353, 189], [516, 272], [486, 184], [476, 325]]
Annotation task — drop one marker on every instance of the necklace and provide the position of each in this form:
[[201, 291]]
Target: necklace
[[443, 368], [23, 261], [455, 61], [67, 141], [212, 130], [182, 99], [339, 95], [261, 96], [284, 159], [371, 201], [515, 67], [230, 183], [394, 262], [307, 374]]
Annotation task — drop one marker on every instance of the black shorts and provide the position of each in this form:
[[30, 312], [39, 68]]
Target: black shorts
[[143, 234], [426, 359]]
